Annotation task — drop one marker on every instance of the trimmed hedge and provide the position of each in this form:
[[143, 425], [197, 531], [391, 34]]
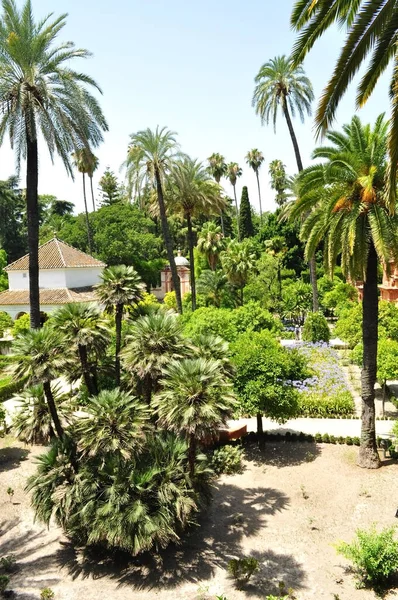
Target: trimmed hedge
[[315, 405], [9, 387], [318, 438]]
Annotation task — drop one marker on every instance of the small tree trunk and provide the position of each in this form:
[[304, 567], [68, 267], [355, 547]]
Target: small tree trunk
[[383, 400], [118, 327], [314, 285], [32, 213], [259, 199], [368, 456], [191, 261], [167, 240], [52, 408], [260, 429], [92, 192], [237, 212], [88, 380], [87, 219], [192, 454]]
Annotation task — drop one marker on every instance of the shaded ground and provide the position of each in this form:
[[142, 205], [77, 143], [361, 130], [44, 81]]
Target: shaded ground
[[288, 508]]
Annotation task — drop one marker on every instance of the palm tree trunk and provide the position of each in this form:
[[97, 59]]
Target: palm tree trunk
[[32, 213], [87, 219], [52, 408], [368, 456], [88, 380], [192, 454], [237, 212], [118, 327], [167, 240], [312, 263], [191, 261], [92, 192], [259, 198], [260, 429]]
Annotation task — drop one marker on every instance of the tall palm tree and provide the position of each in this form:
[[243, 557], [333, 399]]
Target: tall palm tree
[[255, 159], [121, 286], [195, 399], [212, 285], [40, 357], [343, 197], [192, 194], [41, 92], [279, 180], [234, 171], [81, 164], [238, 261], [152, 154], [211, 243], [283, 86], [371, 30], [85, 331], [218, 169], [154, 340], [93, 163]]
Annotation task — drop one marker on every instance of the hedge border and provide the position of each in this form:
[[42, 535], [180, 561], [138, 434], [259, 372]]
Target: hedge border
[[318, 438]]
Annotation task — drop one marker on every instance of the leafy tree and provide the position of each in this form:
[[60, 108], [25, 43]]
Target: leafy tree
[[316, 328], [277, 248], [195, 399], [245, 216], [372, 30], [279, 183], [264, 372], [255, 159], [274, 226], [342, 295], [3, 274], [296, 301], [60, 208], [120, 287], [42, 92], [211, 243], [233, 172], [5, 322], [349, 325], [111, 192], [282, 85], [13, 232], [237, 262], [85, 332], [153, 153], [40, 358], [218, 169], [346, 196], [213, 286], [21, 325]]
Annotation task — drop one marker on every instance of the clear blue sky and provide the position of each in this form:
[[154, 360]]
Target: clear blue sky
[[189, 66]]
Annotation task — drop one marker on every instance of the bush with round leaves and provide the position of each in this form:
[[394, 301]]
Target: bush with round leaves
[[316, 328]]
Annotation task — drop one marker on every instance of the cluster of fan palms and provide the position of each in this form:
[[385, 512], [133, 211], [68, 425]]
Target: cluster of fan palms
[[127, 472]]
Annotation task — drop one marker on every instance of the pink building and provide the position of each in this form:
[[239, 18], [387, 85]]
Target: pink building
[[184, 275]]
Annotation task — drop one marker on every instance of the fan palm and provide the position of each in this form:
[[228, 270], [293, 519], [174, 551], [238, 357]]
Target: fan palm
[[211, 243], [153, 341], [344, 200], [238, 261], [41, 92], [218, 169], [371, 30], [41, 358], [212, 285], [115, 424], [214, 347], [195, 400], [193, 194], [255, 159], [121, 286], [234, 171], [86, 331], [151, 156]]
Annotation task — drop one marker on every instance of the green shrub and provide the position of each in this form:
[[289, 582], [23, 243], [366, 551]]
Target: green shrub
[[356, 441], [8, 387], [170, 300], [318, 437], [227, 459], [313, 404], [47, 594], [21, 325], [374, 554], [349, 440], [4, 581], [5, 322], [325, 438], [316, 328], [242, 569]]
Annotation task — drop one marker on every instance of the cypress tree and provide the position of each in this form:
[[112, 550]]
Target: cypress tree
[[245, 216]]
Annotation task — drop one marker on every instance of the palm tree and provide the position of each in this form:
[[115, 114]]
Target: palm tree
[[193, 194], [372, 29], [85, 331], [195, 399], [279, 181], [212, 285], [40, 357], [40, 92], [343, 198], [115, 424], [276, 247], [93, 163], [154, 340], [121, 286], [218, 169], [214, 347], [152, 154], [211, 243], [234, 171], [238, 261], [61, 208], [255, 159], [80, 162]]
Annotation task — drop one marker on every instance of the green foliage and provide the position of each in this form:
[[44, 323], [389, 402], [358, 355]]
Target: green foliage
[[170, 300], [387, 359], [325, 405], [227, 459], [341, 296], [2, 420], [349, 325], [374, 555], [315, 328], [242, 569], [279, 181], [8, 563], [8, 387], [110, 189], [3, 274], [246, 229], [296, 301], [4, 583], [47, 594], [5, 322], [21, 325], [388, 320]]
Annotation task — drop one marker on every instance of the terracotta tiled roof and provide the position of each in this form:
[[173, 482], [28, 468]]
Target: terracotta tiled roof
[[56, 255], [58, 296]]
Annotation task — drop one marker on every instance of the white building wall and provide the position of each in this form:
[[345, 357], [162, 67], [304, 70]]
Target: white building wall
[[48, 279], [82, 276]]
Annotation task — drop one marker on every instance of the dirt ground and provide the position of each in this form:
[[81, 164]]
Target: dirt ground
[[288, 508]]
